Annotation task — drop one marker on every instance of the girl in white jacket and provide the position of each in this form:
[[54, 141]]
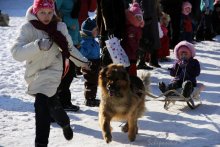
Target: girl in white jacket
[[45, 45]]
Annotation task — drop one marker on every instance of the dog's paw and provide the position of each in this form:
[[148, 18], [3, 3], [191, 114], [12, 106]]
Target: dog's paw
[[125, 128], [108, 138], [132, 137], [132, 133]]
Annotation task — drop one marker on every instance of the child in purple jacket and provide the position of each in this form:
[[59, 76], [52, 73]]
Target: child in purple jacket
[[185, 69]]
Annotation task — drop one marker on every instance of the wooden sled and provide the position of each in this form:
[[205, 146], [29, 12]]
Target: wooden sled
[[171, 96]]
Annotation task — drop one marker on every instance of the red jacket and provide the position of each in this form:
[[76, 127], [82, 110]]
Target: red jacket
[[130, 43], [164, 41]]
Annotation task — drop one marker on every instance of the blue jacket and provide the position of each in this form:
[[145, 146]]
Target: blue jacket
[[190, 72], [65, 7], [90, 47]]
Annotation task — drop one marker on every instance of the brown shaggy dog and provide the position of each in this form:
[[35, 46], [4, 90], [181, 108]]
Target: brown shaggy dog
[[120, 100]]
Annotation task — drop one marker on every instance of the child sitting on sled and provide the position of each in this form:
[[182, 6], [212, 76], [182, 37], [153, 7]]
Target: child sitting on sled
[[184, 70]]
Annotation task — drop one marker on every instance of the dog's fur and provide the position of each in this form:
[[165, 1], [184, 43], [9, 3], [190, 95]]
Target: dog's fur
[[121, 100]]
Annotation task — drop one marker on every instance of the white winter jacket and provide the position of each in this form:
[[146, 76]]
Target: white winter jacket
[[43, 68]]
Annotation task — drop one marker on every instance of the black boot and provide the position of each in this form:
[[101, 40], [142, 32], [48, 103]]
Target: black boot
[[68, 132], [162, 87], [92, 102], [40, 145], [59, 115], [71, 107], [154, 60], [187, 89], [141, 61], [144, 66]]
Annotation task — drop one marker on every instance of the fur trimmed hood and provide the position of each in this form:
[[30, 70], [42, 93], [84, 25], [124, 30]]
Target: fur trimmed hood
[[190, 46]]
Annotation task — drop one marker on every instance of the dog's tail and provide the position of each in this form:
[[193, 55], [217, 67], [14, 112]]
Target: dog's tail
[[145, 77]]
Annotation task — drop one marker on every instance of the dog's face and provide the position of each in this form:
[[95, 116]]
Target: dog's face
[[114, 79]]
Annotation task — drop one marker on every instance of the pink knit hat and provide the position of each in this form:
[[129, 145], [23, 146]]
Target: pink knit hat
[[135, 9], [38, 4], [186, 5], [189, 46]]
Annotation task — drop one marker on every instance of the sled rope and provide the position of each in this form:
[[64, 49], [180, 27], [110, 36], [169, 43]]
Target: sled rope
[[170, 98]]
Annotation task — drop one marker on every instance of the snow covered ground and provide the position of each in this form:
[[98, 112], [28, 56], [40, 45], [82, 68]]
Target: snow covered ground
[[178, 127]]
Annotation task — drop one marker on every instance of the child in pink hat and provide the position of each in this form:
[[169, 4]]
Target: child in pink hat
[[46, 47], [186, 23], [184, 70], [134, 25]]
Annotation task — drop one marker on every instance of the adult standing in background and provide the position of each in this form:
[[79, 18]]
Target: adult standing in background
[[216, 17], [196, 13], [205, 28], [68, 10], [150, 41], [173, 8], [110, 21]]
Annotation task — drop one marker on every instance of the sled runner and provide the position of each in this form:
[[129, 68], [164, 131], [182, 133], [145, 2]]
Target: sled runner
[[171, 96]]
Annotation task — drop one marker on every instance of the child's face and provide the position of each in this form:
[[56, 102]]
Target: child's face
[[164, 20], [139, 17], [184, 53], [95, 32], [45, 15], [187, 10]]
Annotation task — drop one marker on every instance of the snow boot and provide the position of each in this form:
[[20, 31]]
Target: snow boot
[[187, 89], [59, 115], [68, 132], [40, 145], [162, 87], [71, 107], [92, 102]]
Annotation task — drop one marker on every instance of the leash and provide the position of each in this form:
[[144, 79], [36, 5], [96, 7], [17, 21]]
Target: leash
[[78, 59]]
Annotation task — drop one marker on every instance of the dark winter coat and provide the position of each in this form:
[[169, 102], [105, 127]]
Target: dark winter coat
[[216, 19], [196, 13], [173, 8], [91, 79], [111, 18], [186, 28], [150, 39], [190, 72], [110, 21]]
